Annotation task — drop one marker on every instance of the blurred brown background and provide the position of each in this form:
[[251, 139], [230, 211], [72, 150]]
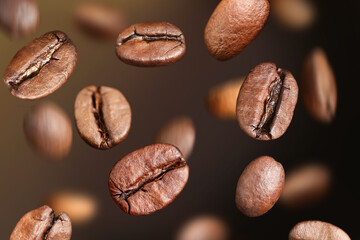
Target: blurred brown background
[[221, 150]]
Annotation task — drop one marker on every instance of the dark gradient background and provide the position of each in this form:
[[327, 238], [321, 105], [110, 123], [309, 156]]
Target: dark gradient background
[[221, 150]]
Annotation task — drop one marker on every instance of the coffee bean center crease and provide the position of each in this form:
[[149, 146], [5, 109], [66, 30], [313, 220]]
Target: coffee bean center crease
[[152, 37], [98, 114], [42, 60]]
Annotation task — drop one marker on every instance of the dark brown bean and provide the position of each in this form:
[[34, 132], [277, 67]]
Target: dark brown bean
[[103, 116], [318, 86], [19, 17], [151, 44], [266, 102], [48, 130], [42, 223], [100, 20], [259, 186], [42, 66], [180, 132], [233, 25], [314, 230], [148, 179]]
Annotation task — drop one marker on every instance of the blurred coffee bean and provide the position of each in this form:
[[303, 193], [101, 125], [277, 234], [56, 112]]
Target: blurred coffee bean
[[180, 132], [266, 102], [42, 223], [221, 99], [294, 14], [42, 66], [318, 86], [259, 186], [102, 116], [151, 44], [305, 185], [148, 179], [19, 17], [233, 25], [48, 130], [100, 20], [79, 206], [314, 230], [205, 227]]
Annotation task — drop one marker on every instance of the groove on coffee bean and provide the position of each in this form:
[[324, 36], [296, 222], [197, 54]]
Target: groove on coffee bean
[[152, 38]]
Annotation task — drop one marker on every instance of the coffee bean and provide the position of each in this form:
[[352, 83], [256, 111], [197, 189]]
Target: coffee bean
[[151, 44], [204, 227], [100, 20], [80, 207], [259, 186], [305, 185], [221, 100], [233, 25], [318, 86], [313, 230], [41, 67], [294, 14], [42, 223], [48, 130], [266, 102], [103, 116], [180, 132], [19, 17], [148, 179]]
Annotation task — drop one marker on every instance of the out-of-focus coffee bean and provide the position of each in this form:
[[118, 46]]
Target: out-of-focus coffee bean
[[80, 207], [48, 130], [318, 86], [259, 186], [180, 132], [305, 185], [221, 99], [206, 227]]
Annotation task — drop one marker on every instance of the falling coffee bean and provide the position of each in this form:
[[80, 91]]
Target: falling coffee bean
[[313, 230], [179, 132], [259, 186], [151, 44], [19, 17], [148, 179], [48, 130], [100, 20], [233, 25], [102, 115], [221, 100], [318, 86], [41, 67], [42, 223], [266, 102]]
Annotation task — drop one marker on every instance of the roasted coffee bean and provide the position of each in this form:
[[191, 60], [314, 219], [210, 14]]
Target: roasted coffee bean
[[48, 130], [103, 116], [318, 86], [205, 227], [180, 132], [233, 25], [148, 179], [80, 207], [19, 17], [305, 185], [41, 67], [100, 20], [42, 223], [266, 102], [314, 230], [259, 186], [221, 100], [151, 44], [294, 14]]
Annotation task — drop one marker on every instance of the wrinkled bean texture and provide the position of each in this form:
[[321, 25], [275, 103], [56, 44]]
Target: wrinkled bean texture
[[259, 186], [312, 230], [266, 102], [148, 179]]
